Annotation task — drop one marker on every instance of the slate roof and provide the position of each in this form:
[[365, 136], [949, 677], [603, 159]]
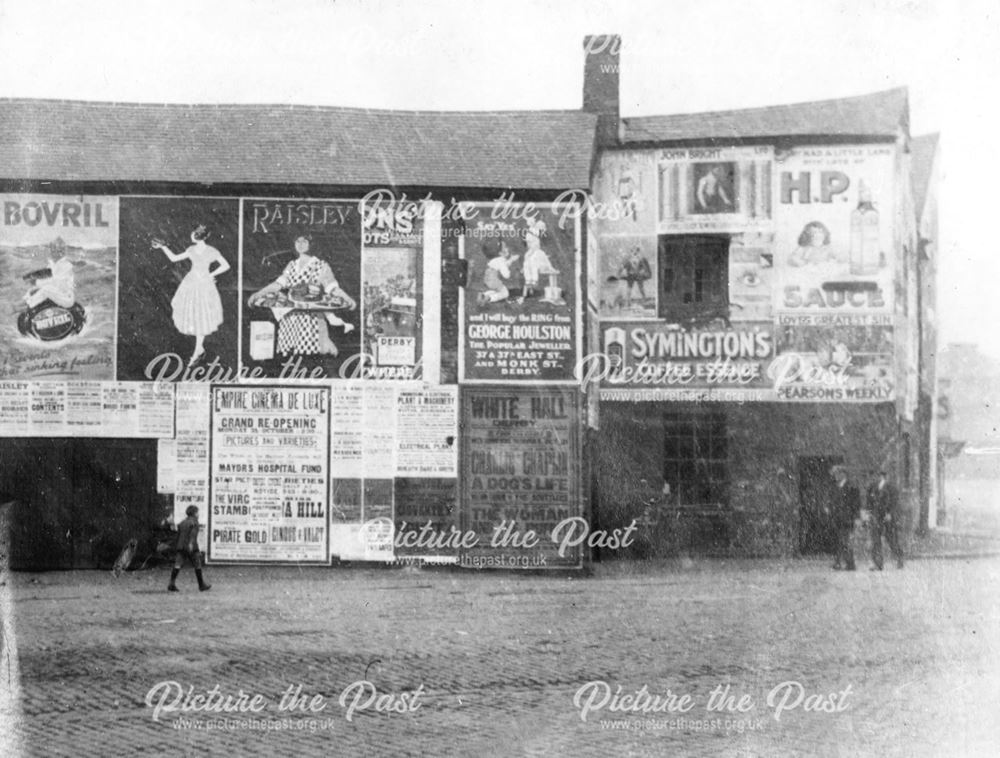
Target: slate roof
[[922, 152], [879, 114], [280, 144]]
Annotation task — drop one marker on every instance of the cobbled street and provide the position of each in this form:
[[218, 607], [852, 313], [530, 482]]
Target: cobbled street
[[500, 657]]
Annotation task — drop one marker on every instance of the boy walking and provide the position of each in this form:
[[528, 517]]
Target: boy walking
[[187, 546]]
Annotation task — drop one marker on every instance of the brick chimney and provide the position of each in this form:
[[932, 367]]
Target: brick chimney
[[600, 84]]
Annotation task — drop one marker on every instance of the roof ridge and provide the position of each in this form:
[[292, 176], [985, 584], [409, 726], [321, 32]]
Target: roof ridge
[[281, 106], [901, 91]]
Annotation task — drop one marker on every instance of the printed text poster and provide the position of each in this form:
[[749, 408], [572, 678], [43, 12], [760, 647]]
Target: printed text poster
[[520, 473], [269, 474]]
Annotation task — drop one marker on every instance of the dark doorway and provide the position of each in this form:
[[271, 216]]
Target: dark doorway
[[78, 501], [816, 533]]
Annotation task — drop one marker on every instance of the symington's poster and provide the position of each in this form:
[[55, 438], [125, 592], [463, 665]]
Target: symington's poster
[[522, 305], [58, 263], [520, 478], [648, 361], [269, 474], [178, 299], [301, 288]]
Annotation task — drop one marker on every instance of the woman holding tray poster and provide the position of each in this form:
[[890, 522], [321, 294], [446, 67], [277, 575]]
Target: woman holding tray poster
[[196, 306], [306, 307]]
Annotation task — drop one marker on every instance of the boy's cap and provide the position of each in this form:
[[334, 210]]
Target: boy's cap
[[191, 510]]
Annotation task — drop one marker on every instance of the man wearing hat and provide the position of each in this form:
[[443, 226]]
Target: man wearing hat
[[883, 507], [846, 509]]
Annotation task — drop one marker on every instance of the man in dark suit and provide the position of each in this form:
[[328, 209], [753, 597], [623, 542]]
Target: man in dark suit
[[846, 509], [883, 507]]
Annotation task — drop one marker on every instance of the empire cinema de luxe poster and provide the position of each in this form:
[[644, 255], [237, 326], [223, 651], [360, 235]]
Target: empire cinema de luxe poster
[[515, 379]]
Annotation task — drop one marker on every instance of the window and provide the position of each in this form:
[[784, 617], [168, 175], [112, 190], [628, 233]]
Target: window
[[694, 277], [695, 458]]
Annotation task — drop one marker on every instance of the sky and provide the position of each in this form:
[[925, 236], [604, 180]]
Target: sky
[[678, 56]]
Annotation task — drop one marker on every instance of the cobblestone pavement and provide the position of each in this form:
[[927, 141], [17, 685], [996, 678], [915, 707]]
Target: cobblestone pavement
[[501, 656]]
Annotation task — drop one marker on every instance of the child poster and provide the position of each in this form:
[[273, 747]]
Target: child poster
[[58, 265], [833, 248], [522, 304]]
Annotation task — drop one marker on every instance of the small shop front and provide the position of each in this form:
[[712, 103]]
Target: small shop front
[[735, 479]]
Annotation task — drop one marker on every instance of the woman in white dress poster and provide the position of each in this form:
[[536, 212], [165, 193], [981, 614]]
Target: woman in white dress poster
[[196, 306]]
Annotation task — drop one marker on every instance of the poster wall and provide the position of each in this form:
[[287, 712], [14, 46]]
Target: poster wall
[[269, 474], [191, 447], [628, 277], [751, 277], [426, 436], [522, 309], [383, 438], [714, 189], [848, 358], [625, 193], [178, 286], [58, 263], [520, 483], [86, 409], [426, 519], [301, 282]]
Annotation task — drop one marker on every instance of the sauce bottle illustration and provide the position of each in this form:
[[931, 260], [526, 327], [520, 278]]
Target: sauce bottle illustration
[[614, 350], [865, 253]]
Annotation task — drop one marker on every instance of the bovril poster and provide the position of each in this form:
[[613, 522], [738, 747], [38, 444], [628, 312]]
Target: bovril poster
[[58, 265]]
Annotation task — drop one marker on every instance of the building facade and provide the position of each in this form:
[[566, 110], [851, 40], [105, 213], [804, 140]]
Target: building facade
[[508, 339], [754, 277]]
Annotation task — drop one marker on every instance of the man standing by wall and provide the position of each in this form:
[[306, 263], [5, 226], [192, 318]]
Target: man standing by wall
[[846, 508], [883, 505]]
